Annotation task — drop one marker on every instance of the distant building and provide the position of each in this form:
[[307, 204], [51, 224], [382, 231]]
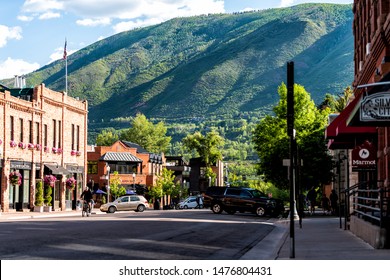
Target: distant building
[[42, 132], [137, 168]]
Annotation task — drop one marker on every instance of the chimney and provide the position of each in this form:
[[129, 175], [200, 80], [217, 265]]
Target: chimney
[[16, 82]]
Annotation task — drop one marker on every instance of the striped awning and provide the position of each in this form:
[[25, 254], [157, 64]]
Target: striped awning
[[117, 156]]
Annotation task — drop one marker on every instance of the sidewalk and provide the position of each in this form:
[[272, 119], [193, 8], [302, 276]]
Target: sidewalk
[[321, 238], [8, 216]]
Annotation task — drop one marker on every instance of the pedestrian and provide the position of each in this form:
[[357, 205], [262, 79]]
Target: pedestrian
[[325, 204], [311, 197], [333, 202], [198, 201]]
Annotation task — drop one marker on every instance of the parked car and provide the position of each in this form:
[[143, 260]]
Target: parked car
[[232, 199], [190, 202], [138, 203]]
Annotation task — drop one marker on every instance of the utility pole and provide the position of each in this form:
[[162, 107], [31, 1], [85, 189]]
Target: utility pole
[[291, 133]]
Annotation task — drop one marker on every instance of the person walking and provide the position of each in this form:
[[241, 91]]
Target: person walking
[[325, 204], [312, 196], [333, 202]]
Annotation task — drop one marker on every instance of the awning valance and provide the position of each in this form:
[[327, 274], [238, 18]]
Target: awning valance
[[120, 157], [57, 169]]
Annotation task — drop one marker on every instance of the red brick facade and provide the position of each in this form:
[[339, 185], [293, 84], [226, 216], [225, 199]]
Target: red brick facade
[[50, 130]]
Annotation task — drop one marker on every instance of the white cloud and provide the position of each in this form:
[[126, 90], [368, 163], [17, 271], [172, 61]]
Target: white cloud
[[59, 54], [8, 33], [49, 15], [94, 22], [286, 3], [39, 6], [11, 67], [25, 18]]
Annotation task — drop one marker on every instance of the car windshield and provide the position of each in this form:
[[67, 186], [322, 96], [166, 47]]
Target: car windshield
[[257, 193]]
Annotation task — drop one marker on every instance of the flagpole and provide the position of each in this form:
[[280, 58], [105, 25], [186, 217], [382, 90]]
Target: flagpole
[[66, 67]]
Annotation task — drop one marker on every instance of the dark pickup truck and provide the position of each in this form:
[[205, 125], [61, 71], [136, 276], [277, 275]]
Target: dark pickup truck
[[232, 199]]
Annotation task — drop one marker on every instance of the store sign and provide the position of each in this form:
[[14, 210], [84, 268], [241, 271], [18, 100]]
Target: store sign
[[364, 157], [375, 107]]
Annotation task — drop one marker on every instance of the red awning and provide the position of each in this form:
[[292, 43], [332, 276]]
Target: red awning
[[344, 136]]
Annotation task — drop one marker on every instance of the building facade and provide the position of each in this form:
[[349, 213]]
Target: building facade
[[137, 169], [360, 134], [42, 132]]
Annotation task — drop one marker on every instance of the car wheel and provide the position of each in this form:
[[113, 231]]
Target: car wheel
[[140, 208], [111, 209], [185, 207], [260, 211], [216, 208]]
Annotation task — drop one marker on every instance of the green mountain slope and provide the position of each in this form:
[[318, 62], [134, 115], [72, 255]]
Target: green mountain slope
[[211, 65]]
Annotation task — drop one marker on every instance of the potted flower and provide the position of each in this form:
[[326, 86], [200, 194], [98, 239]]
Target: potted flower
[[22, 145], [70, 183], [38, 147], [15, 178], [73, 152], [54, 150], [39, 197], [12, 144], [49, 180], [48, 199], [30, 146]]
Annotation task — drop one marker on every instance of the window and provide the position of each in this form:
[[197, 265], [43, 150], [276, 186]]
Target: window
[[59, 134], [92, 167], [73, 132], [12, 128], [125, 199], [45, 135], [134, 198], [54, 133], [21, 130], [30, 138], [78, 138], [37, 133]]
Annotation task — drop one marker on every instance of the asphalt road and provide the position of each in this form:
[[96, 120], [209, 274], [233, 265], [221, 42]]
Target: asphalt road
[[151, 235]]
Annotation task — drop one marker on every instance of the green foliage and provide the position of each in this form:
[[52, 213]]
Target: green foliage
[[107, 137], [165, 182], [115, 185], [48, 198], [272, 142], [151, 137], [207, 147], [39, 193], [210, 65]]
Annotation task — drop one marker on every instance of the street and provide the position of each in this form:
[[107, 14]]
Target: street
[[150, 235]]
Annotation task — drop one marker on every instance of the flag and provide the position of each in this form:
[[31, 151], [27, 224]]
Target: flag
[[65, 53]]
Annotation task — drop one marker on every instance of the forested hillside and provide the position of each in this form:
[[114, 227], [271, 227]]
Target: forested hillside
[[214, 68]]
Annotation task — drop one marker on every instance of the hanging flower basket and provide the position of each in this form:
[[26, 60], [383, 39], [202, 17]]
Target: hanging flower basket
[[12, 144], [78, 153], [15, 178], [38, 147], [49, 180], [1, 141], [73, 152], [47, 149], [22, 145], [70, 183], [30, 146]]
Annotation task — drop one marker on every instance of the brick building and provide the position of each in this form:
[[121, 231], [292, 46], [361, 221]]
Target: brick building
[[360, 134], [136, 167], [42, 132]]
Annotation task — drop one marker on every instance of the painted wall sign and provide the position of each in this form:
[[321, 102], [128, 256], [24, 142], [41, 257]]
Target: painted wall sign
[[364, 157], [375, 107]]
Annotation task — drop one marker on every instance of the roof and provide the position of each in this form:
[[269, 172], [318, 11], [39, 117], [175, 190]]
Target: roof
[[120, 156], [134, 145]]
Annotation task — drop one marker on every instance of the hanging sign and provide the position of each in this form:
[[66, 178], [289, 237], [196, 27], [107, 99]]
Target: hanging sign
[[364, 157], [375, 107]]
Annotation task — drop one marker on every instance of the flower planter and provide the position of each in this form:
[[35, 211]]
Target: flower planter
[[47, 208], [38, 209]]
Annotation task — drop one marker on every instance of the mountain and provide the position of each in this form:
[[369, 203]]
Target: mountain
[[209, 65]]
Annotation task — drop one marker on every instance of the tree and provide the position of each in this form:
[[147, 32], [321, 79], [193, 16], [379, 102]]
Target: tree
[[207, 147], [39, 194], [107, 137], [165, 181], [272, 142], [115, 185], [149, 136]]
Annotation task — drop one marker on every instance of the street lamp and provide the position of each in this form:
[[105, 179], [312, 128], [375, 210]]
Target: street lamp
[[133, 181], [108, 183]]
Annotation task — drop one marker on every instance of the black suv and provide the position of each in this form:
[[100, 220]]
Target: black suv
[[232, 199]]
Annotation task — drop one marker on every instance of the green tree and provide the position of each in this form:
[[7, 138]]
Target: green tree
[[272, 142], [207, 147], [107, 137], [151, 137], [39, 193], [166, 181], [116, 189]]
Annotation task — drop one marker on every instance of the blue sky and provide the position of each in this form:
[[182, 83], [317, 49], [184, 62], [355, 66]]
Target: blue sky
[[33, 32]]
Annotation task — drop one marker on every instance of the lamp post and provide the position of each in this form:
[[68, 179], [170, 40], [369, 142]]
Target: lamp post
[[108, 183], [133, 181]]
